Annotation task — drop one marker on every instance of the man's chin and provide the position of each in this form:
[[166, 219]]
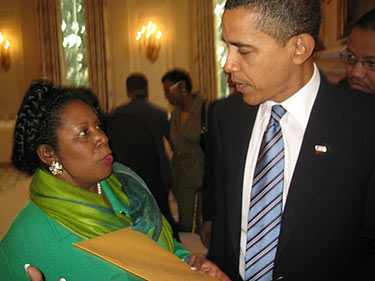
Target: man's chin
[[250, 99]]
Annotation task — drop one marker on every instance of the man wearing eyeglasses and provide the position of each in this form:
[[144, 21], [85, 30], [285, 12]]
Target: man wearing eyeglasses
[[359, 55]]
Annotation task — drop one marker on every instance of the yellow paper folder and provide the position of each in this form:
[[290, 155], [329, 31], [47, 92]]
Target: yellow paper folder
[[140, 255]]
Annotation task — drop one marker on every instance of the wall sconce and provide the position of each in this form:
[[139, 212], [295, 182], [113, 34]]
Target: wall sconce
[[4, 53], [149, 41]]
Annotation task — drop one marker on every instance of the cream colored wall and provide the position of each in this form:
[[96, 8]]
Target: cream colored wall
[[124, 19], [18, 20], [18, 23]]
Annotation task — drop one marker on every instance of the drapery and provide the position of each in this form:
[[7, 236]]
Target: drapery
[[52, 52], [206, 48], [97, 50], [50, 37]]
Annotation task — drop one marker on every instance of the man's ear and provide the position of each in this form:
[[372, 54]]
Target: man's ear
[[303, 45], [46, 154], [182, 86]]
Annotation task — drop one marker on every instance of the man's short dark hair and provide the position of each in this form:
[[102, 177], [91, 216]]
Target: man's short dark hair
[[367, 21], [177, 75], [136, 82], [283, 19]]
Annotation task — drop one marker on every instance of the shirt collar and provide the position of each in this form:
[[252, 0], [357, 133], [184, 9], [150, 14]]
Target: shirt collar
[[299, 105]]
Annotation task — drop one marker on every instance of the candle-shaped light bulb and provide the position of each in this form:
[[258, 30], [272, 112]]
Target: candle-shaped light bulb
[[158, 35]]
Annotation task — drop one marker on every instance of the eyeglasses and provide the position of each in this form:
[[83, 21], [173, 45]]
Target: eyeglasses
[[173, 87], [348, 58]]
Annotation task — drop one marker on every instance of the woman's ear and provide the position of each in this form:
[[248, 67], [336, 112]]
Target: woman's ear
[[303, 45], [46, 154]]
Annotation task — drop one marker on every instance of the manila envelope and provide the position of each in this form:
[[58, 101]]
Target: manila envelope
[[140, 255]]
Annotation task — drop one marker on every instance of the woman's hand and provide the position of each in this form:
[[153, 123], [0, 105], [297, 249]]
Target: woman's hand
[[199, 262], [35, 274]]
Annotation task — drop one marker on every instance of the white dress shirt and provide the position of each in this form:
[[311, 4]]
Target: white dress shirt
[[293, 124]]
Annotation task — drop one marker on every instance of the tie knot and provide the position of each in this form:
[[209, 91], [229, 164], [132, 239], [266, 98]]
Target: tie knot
[[277, 112]]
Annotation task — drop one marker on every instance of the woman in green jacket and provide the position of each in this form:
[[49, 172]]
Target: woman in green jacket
[[74, 194]]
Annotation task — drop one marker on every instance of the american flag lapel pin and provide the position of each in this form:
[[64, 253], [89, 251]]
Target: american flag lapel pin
[[320, 149]]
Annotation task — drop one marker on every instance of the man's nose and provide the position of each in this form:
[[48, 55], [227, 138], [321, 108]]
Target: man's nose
[[358, 70], [231, 65]]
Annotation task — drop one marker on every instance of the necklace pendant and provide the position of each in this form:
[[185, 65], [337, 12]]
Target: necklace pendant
[[99, 187]]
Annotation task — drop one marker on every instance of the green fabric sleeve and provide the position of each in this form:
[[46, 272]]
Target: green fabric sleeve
[[180, 251]]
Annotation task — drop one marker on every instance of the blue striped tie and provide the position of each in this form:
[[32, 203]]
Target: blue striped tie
[[266, 202]]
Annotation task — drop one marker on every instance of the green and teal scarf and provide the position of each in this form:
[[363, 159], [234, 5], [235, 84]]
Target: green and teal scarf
[[87, 215]]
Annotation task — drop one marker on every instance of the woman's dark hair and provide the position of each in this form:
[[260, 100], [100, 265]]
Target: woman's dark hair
[[39, 118], [177, 75]]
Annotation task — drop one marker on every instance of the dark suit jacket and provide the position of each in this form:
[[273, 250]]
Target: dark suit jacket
[[156, 120], [328, 223], [133, 145]]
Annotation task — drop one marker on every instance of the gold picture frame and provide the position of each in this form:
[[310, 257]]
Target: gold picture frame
[[349, 11], [342, 18]]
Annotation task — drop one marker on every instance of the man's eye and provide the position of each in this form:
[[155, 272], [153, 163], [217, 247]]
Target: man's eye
[[351, 57], [244, 51], [370, 65]]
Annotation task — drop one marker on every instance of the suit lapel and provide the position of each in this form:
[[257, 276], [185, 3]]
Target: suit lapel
[[311, 166], [237, 141]]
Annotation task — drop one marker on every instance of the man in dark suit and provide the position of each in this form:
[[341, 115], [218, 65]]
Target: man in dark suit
[[153, 117], [133, 145], [136, 131], [326, 226]]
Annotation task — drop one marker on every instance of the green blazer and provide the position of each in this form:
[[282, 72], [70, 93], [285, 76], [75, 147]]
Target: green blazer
[[37, 239]]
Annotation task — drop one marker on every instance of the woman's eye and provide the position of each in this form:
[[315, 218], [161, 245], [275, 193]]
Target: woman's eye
[[83, 132]]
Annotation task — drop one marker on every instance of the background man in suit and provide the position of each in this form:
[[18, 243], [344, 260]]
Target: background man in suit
[[326, 226], [359, 55], [153, 117], [136, 131]]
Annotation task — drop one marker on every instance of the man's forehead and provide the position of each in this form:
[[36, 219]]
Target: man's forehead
[[237, 22], [362, 41]]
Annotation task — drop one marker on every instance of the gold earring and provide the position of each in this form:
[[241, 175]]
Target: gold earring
[[56, 168]]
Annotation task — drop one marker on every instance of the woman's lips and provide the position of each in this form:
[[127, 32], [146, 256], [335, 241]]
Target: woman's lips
[[108, 159]]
